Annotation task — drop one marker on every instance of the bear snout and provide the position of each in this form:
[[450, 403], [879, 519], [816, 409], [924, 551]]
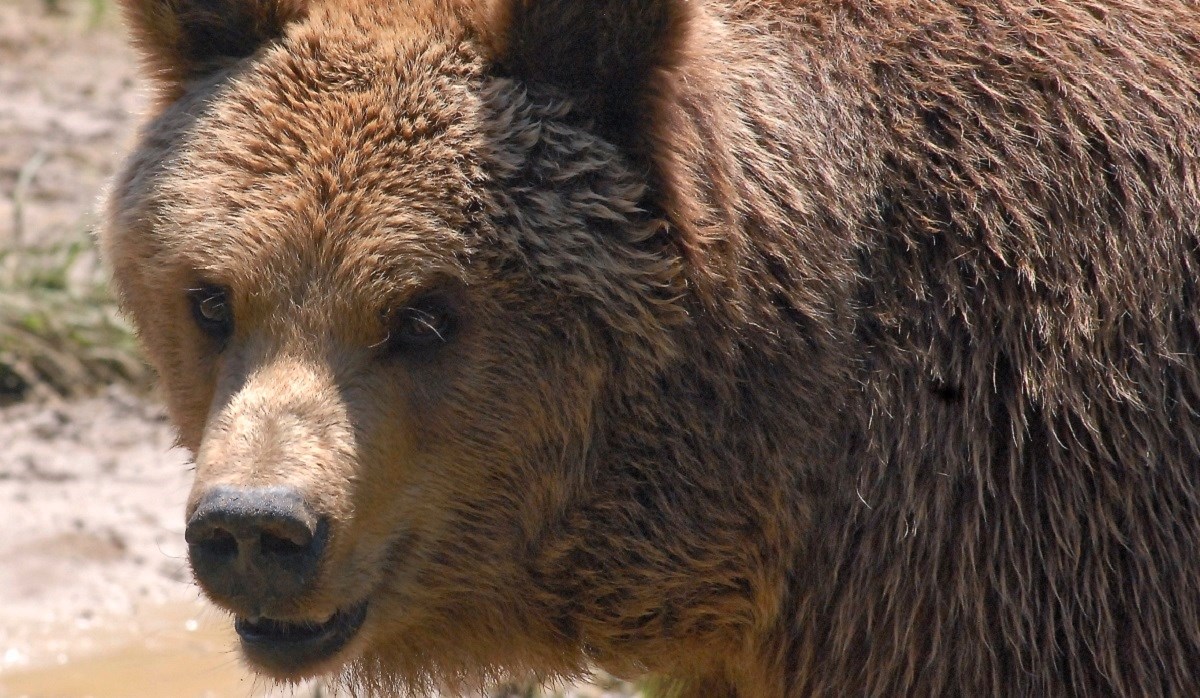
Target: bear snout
[[255, 549]]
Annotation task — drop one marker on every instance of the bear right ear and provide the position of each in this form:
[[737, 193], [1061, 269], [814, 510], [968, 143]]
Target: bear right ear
[[612, 56], [185, 39]]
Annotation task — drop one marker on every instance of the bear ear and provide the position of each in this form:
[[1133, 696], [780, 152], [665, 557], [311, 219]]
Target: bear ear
[[186, 39], [612, 56]]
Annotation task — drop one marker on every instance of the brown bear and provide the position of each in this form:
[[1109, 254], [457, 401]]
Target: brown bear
[[773, 347]]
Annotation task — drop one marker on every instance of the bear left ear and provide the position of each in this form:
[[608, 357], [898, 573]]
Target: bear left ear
[[185, 39], [612, 56]]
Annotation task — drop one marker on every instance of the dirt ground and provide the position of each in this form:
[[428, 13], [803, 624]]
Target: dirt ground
[[95, 594], [69, 100]]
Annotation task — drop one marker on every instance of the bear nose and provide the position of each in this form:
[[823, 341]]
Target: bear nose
[[255, 548]]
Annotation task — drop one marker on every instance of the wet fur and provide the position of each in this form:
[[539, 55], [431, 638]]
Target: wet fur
[[823, 348]]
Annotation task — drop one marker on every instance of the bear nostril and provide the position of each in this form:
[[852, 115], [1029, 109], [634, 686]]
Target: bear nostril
[[219, 543], [273, 544]]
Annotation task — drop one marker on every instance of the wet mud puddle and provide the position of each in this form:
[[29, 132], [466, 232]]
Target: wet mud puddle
[[180, 649]]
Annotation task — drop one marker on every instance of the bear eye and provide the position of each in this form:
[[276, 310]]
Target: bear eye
[[211, 311], [425, 324]]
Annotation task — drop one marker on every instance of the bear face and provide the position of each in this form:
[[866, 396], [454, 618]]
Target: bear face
[[383, 278]]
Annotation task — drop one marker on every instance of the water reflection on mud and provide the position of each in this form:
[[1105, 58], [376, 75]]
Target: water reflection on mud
[[179, 650]]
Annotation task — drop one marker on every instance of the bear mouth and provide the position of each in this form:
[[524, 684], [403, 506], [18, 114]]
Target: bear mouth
[[289, 648]]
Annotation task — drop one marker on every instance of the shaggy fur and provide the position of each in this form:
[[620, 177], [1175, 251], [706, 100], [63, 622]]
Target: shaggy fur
[[806, 348]]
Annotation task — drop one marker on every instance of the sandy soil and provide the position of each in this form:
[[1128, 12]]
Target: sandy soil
[[69, 98], [95, 588], [95, 594]]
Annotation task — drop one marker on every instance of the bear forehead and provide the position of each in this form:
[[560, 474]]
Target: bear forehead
[[360, 155]]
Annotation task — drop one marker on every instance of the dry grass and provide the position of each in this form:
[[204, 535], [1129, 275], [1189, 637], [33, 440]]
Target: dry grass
[[60, 331]]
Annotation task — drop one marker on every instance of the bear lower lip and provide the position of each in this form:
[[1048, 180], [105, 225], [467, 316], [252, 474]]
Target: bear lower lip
[[288, 648]]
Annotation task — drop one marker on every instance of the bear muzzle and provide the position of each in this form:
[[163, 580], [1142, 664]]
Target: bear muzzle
[[257, 551]]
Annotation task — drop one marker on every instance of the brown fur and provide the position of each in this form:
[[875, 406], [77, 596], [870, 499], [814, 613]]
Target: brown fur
[[807, 348]]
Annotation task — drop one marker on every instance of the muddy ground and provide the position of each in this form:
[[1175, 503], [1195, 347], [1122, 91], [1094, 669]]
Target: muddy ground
[[95, 595]]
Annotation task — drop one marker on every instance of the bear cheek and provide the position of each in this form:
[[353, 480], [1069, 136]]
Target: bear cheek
[[185, 364]]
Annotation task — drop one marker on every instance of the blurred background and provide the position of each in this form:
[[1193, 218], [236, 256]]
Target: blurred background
[[95, 594]]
